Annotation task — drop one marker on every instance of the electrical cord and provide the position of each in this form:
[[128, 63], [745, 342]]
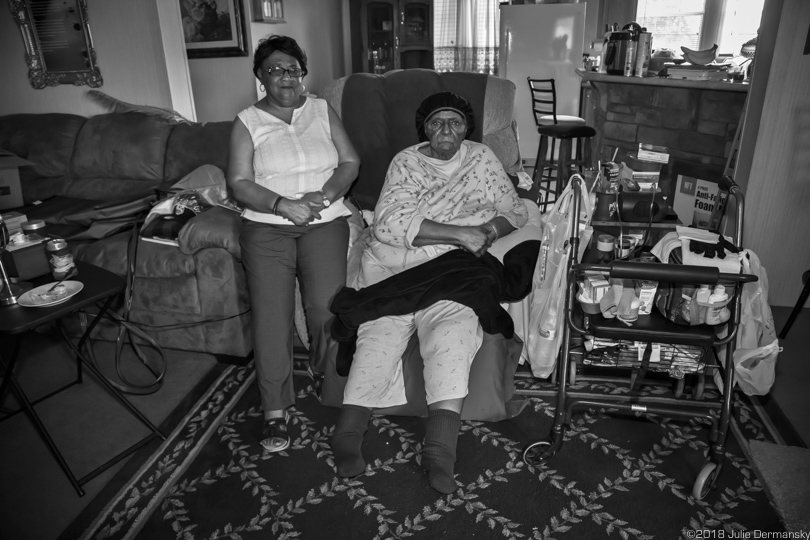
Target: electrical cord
[[128, 330]]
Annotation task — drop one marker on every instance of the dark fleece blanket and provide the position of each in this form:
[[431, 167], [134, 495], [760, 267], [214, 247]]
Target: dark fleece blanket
[[479, 283]]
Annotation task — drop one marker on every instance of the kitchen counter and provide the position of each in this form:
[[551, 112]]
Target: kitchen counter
[[593, 76]]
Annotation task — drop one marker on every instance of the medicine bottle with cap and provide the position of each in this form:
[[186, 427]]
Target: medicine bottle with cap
[[603, 253]]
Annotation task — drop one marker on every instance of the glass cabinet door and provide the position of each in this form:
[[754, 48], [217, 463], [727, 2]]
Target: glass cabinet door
[[416, 24], [381, 37]]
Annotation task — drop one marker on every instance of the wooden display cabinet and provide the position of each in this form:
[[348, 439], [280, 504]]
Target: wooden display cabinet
[[394, 34]]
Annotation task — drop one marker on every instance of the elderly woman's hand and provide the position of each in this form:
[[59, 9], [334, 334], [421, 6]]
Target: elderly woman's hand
[[476, 239], [300, 211]]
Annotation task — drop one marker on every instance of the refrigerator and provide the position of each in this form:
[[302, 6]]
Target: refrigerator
[[541, 41]]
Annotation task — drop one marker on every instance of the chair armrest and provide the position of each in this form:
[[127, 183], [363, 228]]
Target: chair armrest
[[214, 228]]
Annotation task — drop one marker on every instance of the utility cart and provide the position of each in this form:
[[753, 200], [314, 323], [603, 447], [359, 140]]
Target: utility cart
[[650, 343]]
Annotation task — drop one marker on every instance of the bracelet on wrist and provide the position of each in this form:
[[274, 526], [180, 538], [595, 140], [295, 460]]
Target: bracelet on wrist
[[494, 229], [275, 205]]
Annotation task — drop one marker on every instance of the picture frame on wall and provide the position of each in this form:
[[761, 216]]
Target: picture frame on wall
[[268, 11], [214, 28]]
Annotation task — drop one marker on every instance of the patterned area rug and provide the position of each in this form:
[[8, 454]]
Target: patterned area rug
[[617, 476]]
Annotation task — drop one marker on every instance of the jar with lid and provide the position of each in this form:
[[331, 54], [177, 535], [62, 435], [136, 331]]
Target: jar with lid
[[601, 251], [35, 230], [60, 258]]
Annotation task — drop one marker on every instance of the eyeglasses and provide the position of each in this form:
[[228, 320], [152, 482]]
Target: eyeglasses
[[278, 71]]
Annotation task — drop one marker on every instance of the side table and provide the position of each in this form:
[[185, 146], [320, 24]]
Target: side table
[[100, 289]]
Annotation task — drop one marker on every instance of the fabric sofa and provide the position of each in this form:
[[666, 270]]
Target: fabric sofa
[[85, 166]]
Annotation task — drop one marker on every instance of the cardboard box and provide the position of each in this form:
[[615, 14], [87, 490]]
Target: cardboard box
[[694, 201], [10, 191]]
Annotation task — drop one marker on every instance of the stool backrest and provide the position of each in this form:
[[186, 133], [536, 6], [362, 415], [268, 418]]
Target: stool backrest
[[544, 101]]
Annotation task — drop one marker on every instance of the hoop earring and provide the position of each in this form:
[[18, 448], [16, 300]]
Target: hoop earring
[[303, 88], [261, 88]]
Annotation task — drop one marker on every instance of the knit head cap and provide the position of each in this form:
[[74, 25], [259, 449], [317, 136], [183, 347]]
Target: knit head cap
[[443, 101]]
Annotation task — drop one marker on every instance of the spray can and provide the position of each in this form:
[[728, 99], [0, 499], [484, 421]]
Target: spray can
[[630, 59], [643, 53]]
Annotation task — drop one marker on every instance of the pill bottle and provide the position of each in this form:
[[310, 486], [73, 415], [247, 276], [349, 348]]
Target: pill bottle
[[59, 258]]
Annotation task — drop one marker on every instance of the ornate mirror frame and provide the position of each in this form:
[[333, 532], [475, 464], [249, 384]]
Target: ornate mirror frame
[[58, 44]]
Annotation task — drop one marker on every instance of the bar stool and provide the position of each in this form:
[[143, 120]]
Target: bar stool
[[556, 127]]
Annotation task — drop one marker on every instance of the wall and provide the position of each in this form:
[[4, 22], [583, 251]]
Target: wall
[[130, 56], [778, 192], [225, 86]]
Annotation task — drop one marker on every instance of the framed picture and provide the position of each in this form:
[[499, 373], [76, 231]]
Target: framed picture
[[268, 11], [214, 28]]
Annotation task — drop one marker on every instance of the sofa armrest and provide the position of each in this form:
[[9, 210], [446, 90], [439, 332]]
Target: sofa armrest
[[217, 228]]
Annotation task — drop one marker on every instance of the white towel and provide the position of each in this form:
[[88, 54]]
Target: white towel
[[732, 264]]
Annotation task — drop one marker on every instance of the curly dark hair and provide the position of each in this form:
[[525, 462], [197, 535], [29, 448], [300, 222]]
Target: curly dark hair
[[287, 45]]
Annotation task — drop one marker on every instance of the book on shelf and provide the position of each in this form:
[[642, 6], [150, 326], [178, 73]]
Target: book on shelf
[[651, 152]]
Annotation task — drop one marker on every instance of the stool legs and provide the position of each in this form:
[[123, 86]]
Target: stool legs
[[546, 189], [539, 186]]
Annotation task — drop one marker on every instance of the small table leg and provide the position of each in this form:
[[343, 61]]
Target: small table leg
[[18, 391]]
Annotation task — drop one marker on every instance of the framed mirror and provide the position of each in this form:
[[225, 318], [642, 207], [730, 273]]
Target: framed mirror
[[58, 45]]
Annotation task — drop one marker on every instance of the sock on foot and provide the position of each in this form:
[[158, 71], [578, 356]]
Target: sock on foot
[[348, 438], [439, 450]]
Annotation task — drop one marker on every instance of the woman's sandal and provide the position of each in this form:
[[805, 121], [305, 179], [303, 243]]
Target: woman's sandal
[[274, 434]]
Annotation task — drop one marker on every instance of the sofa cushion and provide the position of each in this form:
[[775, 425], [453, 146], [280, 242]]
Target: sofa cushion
[[129, 145], [193, 145], [47, 140]]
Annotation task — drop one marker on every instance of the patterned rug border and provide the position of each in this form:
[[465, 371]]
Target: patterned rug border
[[126, 513], [192, 432]]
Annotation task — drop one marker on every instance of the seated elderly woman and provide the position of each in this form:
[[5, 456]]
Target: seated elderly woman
[[443, 194]]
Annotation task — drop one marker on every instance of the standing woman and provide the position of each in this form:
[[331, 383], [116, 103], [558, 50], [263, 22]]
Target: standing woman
[[290, 164]]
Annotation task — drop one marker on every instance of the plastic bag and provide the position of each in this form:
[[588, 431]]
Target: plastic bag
[[548, 297], [756, 334], [755, 369]]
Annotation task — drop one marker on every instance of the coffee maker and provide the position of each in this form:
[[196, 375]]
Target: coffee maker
[[617, 49]]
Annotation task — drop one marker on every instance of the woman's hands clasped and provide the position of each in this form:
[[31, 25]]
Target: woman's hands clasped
[[302, 211]]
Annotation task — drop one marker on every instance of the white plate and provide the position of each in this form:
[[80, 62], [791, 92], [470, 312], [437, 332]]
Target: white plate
[[33, 298]]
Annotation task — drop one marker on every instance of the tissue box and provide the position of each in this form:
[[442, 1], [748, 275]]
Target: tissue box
[[26, 262]]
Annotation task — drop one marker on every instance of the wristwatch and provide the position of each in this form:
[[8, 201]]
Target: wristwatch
[[326, 202]]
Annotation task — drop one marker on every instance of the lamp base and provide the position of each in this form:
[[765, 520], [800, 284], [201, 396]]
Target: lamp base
[[10, 293]]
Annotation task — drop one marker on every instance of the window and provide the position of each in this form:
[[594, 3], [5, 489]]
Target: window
[[698, 24], [465, 35]]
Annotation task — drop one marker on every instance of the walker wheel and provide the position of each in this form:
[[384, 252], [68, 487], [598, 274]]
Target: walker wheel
[[704, 481], [537, 453], [572, 372]]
